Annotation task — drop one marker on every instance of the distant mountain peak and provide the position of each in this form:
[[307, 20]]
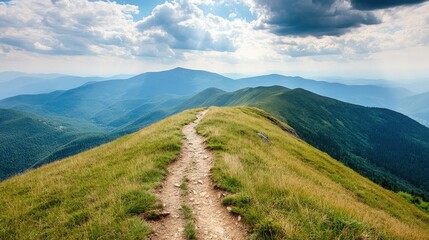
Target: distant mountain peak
[[188, 70], [180, 69]]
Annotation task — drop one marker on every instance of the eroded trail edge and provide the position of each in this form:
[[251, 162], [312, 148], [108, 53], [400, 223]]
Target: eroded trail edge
[[189, 183]]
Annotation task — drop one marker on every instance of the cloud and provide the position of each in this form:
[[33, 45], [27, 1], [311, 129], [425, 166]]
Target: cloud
[[187, 31], [67, 27], [42, 47], [182, 25], [203, 2], [401, 28], [310, 17], [310, 47], [85, 27], [319, 18], [381, 4]]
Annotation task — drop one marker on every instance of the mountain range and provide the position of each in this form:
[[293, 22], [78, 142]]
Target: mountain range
[[17, 83], [357, 136], [381, 144], [417, 107], [31, 85], [185, 82], [7, 76]]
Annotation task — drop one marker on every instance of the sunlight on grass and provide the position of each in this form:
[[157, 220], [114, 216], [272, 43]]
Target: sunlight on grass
[[99, 194], [284, 188], [289, 189]]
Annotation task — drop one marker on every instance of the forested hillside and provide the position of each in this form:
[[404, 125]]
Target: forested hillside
[[28, 140]]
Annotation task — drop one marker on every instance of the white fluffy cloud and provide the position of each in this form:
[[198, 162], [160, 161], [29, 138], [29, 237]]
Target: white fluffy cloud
[[82, 27], [68, 27], [182, 25]]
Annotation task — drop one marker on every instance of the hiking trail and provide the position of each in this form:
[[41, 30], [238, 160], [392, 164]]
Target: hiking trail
[[212, 219]]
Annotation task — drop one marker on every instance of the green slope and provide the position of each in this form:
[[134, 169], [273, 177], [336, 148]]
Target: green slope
[[366, 95], [285, 189], [97, 194], [289, 190], [383, 145], [28, 140]]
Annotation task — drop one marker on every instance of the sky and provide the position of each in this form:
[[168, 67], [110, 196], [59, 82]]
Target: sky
[[377, 39]]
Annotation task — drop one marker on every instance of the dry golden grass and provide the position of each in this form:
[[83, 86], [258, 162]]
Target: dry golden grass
[[98, 194], [291, 190]]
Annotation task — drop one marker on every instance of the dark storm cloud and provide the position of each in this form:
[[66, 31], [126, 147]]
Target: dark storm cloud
[[313, 17], [381, 4]]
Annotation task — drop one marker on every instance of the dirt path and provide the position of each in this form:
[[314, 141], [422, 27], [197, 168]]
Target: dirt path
[[212, 220]]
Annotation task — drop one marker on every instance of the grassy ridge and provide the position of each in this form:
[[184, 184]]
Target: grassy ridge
[[387, 147], [291, 190], [283, 189], [99, 194]]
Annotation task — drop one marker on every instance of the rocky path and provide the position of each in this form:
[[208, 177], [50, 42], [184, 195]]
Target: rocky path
[[212, 219]]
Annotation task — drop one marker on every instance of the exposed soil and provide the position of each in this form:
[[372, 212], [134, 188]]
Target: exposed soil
[[212, 219]]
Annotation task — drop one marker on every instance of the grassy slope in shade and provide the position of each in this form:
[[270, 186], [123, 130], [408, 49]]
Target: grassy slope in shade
[[98, 194], [291, 190], [383, 145], [284, 190]]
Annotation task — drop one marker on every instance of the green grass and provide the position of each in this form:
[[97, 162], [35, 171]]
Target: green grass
[[190, 232], [290, 190], [416, 200], [283, 190], [184, 186], [385, 146], [99, 194]]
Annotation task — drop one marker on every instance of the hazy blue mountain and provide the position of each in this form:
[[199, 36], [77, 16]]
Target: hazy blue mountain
[[381, 144], [418, 86], [366, 95], [120, 76], [7, 76], [360, 81], [180, 81], [114, 103], [34, 85], [185, 82], [27, 140], [116, 107], [417, 107]]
